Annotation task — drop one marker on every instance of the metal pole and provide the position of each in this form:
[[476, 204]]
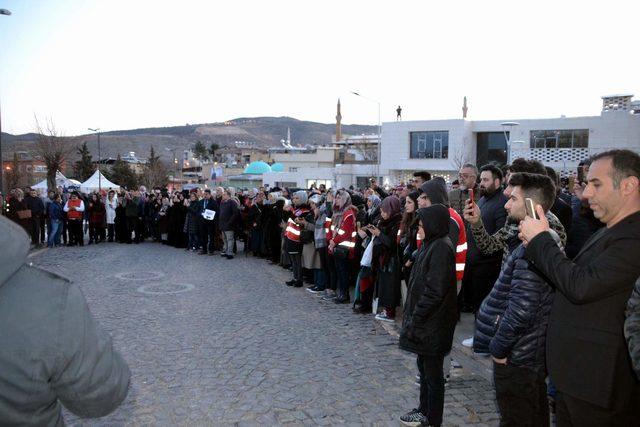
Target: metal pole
[[7, 13], [99, 160]]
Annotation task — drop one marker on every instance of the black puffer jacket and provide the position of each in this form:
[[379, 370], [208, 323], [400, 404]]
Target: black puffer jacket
[[431, 309], [512, 320], [632, 328]]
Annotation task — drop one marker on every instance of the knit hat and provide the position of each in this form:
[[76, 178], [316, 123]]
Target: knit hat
[[436, 191], [301, 195]]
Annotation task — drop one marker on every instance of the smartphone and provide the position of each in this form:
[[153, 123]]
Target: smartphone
[[471, 196], [530, 207], [358, 224], [572, 182]]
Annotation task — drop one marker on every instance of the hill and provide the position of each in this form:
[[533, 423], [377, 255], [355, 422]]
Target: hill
[[261, 131]]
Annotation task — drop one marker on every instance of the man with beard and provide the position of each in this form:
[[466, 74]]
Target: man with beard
[[486, 267], [512, 322]]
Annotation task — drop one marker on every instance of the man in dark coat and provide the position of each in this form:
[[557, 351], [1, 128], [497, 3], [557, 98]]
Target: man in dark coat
[[229, 215], [481, 271], [52, 352], [430, 312], [512, 321], [632, 328], [36, 206], [587, 354], [208, 225]]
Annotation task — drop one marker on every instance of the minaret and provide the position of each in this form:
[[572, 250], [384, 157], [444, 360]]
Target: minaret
[[338, 123], [464, 108]]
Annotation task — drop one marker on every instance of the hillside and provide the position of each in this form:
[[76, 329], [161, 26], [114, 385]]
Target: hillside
[[262, 131]]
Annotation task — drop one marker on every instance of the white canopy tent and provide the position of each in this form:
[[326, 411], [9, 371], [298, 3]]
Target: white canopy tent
[[61, 181], [97, 179]]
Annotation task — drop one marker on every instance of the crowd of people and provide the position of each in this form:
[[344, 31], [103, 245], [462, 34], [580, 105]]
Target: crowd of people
[[547, 266]]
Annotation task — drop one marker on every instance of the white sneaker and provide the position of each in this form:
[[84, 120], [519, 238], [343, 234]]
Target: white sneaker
[[468, 342], [384, 318]]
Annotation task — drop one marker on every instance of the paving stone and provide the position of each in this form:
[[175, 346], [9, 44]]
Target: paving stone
[[240, 347]]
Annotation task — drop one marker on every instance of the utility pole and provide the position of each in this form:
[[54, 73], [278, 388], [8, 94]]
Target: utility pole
[[97, 131]]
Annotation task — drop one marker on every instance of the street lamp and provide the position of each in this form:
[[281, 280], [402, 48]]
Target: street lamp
[[379, 130], [97, 131], [175, 164], [2, 12], [508, 126]]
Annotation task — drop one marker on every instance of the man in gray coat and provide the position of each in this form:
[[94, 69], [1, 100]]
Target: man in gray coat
[[52, 352]]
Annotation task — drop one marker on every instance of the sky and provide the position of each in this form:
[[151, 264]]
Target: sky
[[123, 64]]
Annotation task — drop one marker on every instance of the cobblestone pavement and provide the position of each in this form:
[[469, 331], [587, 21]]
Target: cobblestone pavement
[[212, 341]]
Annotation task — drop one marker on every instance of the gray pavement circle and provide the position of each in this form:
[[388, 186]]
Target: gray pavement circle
[[165, 289], [142, 276]]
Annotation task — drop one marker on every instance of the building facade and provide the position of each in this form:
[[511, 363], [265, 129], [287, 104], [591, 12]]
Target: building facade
[[442, 146]]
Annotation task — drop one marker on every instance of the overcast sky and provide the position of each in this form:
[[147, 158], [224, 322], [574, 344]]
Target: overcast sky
[[120, 64]]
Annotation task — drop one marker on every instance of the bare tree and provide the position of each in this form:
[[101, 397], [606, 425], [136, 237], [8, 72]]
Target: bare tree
[[53, 148], [155, 172], [461, 154]]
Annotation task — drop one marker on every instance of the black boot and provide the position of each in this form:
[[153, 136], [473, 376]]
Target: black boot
[[290, 282], [298, 284]]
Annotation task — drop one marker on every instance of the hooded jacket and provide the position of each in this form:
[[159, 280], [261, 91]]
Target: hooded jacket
[[52, 352], [436, 190], [431, 309]]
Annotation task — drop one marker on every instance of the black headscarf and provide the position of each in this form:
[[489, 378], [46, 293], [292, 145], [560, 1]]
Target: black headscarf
[[435, 221]]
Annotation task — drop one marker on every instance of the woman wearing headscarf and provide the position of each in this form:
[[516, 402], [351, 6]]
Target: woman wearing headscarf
[[163, 220], [317, 261], [385, 261], [273, 231], [341, 237], [373, 209], [293, 234], [430, 313]]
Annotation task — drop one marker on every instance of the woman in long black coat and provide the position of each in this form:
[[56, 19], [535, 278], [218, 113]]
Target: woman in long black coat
[[430, 312], [177, 214], [386, 262]]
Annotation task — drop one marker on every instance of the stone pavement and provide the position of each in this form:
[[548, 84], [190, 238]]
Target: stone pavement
[[212, 341]]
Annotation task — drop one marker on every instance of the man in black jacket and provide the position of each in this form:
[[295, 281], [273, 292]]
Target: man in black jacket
[[512, 321], [586, 351], [632, 328], [208, 224], [36, 206]]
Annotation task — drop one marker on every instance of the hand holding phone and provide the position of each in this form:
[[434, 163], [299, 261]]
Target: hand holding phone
[[530, 208], [473, 200]]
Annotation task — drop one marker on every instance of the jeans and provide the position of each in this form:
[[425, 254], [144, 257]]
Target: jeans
[[522, 396], [111, 229], [76, 236], [54, 232], [229, 240], [342, 273], [431, 387]]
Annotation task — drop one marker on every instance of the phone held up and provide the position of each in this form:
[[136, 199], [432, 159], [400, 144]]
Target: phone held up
[[473, 200], [530, 207]]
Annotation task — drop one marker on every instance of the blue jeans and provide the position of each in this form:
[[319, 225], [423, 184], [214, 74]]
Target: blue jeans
[[320, 279], [54, 233]]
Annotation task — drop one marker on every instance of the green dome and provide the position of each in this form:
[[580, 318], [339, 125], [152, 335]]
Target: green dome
[[257, 168], [277, 167]]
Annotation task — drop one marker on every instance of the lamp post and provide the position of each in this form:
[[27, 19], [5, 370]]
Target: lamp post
[[508, 126], [97, 131], [379, 130], [2, 12], [175, 165]]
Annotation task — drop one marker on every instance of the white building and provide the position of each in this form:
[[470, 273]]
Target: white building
[[442, 146]]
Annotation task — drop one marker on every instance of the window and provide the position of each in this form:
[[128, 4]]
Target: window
[[566, 138], [293, 169], [429, 145]]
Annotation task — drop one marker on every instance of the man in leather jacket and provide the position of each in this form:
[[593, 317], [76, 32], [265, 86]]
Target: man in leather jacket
[[512, 321]]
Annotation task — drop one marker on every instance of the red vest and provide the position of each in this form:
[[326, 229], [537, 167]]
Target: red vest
[[293, 230], [461, 244], [73, 214]]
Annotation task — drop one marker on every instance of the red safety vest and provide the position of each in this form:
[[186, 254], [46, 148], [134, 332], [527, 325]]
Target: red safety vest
[[461, 246], [74, 214], [293, 230]]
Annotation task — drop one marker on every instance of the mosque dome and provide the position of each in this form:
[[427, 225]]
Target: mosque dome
[[277, 167], [257, 168]]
